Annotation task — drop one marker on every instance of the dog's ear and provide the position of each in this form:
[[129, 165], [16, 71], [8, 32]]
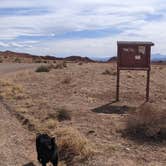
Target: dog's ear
[[53, 139]]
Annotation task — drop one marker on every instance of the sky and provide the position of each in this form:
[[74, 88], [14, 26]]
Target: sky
[[80, 27]]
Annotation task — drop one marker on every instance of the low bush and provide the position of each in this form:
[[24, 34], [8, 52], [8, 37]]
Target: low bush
[[63, 114], [43, 69], [67, 80], [61, 65], [107, 72], [72, 143], [147, 122], [17, 60]]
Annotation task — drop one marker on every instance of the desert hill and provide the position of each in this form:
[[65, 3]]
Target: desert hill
[[78, 59], [16, 57]]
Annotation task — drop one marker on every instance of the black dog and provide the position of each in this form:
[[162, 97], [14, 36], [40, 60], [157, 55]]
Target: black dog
[[47, 150]]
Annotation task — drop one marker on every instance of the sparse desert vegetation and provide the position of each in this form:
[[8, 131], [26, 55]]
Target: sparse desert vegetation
[[147, 122], [76, 104], [43, 68], [63, 114]]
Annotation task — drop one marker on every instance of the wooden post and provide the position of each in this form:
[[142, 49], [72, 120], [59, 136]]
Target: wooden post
[[147, 85], [117, 85]]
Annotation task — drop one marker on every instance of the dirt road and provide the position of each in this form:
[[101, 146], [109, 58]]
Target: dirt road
[[13, 67]]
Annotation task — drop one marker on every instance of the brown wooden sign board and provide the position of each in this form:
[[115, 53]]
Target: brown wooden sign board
[[133, 55]]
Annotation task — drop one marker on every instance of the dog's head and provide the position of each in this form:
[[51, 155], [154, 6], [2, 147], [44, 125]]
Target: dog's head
[[46, 141]]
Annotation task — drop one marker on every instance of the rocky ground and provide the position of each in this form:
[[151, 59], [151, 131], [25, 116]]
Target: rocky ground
[[87, 91]]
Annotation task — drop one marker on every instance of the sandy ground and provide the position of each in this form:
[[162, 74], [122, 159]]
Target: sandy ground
[[90, 96], [17, 146], [16, 143], [6, 68]]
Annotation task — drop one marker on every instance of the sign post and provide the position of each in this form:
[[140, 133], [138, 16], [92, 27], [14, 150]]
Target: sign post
[[133, 56]]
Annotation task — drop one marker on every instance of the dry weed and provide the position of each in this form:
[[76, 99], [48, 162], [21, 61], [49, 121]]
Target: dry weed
[[43, 68], [108, 72], [72, 143], [61, 65], [10, 90], [147, 122], [67, 80], [50, 124], [63, 114]]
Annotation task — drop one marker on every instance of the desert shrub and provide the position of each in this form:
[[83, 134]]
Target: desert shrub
[[129, 76], [45, 61], [64, 64], [17, 60], [9, 90], [147, 122], [61, 65], [63, 114], [67, 80], [43, 69], [80, 63], [107, 72], [1, 60], [72, 143], [50, 123], [52, 66]]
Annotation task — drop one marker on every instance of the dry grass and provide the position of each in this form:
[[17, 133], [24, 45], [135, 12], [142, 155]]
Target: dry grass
[[52, 66], [61, 65], [67, 80], [108, 72], [43, 68], [50, 124], [147, 122], [63, 114], [72, 143], [10, 90], [80, 63]]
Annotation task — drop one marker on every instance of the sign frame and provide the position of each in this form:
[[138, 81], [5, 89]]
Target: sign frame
[[133, 55]]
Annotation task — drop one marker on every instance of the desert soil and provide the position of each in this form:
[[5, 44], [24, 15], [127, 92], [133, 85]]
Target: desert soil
[[90, 97], [17, 146]]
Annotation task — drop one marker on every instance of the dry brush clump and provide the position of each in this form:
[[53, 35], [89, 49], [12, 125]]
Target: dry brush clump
[[147, 122], [108, 72], [67, 80], [72, 143], [43, 68], [61, 65], [10, 90], [63, 114]]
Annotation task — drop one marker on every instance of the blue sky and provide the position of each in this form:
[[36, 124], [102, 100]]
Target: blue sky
[[80, 27]]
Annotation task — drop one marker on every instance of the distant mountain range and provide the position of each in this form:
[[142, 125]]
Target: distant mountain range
[[154, 57], [10, 56], [158, 57]]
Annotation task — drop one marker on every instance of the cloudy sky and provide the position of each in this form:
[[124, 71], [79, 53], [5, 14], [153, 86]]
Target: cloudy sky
[[80, 27]]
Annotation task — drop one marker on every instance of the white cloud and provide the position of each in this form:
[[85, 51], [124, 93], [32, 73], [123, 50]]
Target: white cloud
[[2, 44], [77, 15]]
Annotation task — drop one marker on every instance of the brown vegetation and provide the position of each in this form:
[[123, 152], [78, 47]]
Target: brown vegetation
[[147, 121], [63, 114], [88, 131], [43, 69], [71, 144]]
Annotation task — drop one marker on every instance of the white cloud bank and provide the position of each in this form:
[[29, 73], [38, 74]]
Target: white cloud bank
[[136, 20]]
